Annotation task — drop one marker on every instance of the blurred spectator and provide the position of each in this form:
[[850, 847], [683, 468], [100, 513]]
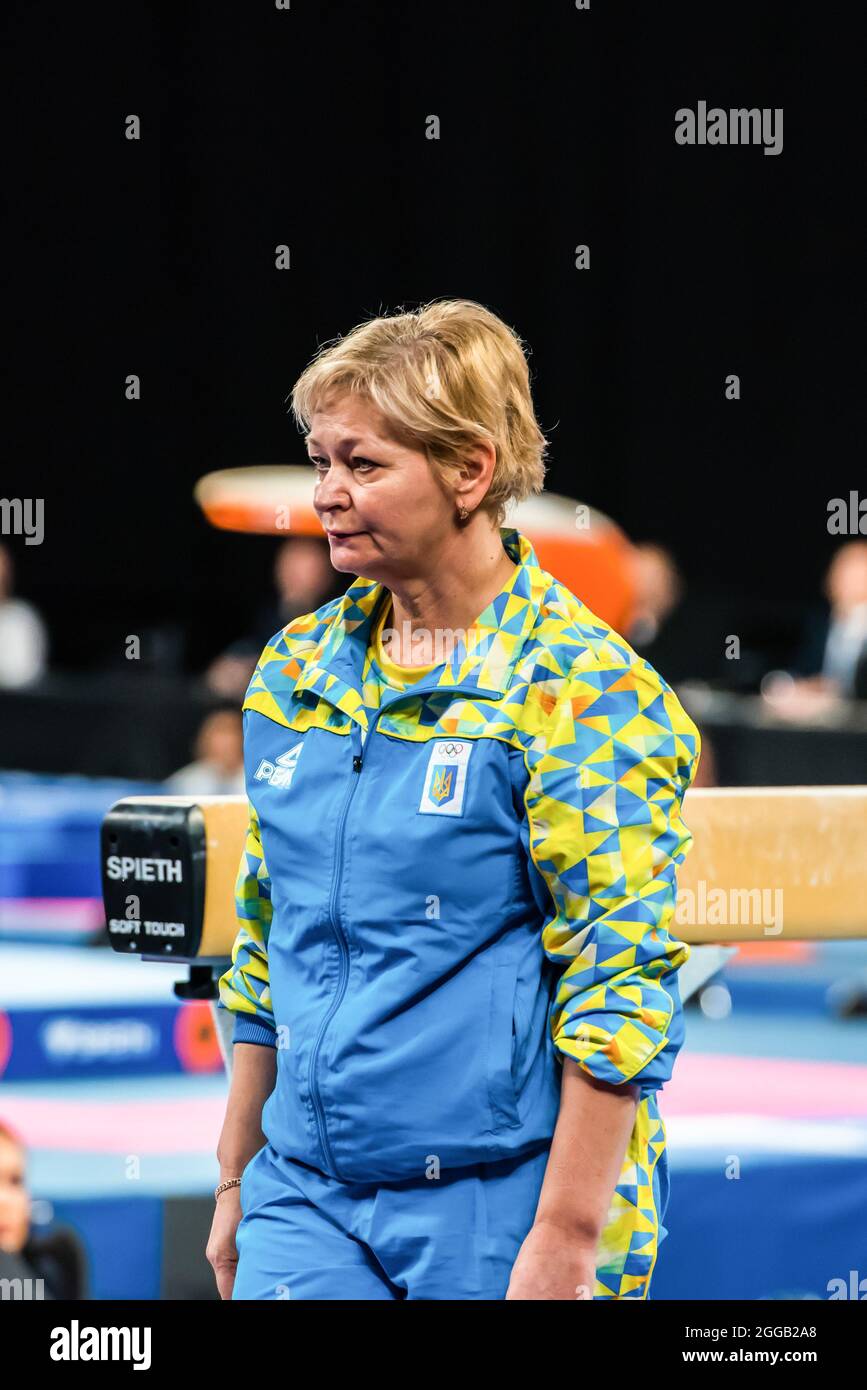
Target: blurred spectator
[[57, 1258], [229, 673], [659, 589], [218, 769], [304, 579], [831, 663], [23, 636], [670, 626]]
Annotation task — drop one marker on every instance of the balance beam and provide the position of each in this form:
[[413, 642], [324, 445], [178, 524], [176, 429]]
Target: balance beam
[[766, 863], [802, 850]]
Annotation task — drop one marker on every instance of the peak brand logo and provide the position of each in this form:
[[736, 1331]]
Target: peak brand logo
[[281, 772]]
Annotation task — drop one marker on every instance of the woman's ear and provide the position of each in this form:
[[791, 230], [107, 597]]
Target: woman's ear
[[474, 473]]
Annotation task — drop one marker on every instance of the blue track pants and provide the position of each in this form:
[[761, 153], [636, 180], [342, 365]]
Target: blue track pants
[[305, 1235]]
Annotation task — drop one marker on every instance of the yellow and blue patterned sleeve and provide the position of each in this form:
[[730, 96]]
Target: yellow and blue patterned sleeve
[[604, 801], [245, 988]]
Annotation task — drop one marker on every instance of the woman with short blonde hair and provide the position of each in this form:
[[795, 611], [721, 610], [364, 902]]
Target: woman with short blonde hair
[[454, 986], [447, 377]]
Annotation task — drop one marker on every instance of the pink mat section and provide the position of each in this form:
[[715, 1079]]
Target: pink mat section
[[705, 1084], [141, 1127]]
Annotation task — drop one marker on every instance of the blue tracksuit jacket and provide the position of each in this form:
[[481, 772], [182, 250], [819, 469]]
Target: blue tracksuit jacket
[[442, 897]]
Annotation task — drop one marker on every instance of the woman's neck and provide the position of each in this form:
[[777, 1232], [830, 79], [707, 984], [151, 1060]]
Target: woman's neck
[[430, 615]]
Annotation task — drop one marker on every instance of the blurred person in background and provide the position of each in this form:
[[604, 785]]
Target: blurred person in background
[[304, 578], [229, 673], [659, 589], [57, 1258], [657, 594], [218, 769], [23, 636], [670, 626], [830, 666]]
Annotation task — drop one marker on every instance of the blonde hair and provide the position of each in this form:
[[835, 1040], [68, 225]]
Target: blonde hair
[[445, 376]]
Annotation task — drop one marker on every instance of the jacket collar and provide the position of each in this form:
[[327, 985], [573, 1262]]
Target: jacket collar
[[332, 668]]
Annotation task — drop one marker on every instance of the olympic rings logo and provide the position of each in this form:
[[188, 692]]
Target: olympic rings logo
[[452, 748]]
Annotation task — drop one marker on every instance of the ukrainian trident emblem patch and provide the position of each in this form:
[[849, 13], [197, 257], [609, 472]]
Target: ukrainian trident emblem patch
[[445, 778], [442, 786]]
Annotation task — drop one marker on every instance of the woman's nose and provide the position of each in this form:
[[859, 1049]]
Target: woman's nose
[[328, 492]]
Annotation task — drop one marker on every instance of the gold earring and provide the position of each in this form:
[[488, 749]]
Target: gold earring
[[462, 512]]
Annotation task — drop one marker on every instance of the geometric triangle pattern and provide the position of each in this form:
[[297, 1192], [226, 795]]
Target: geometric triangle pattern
[[609, 753], [629, 1243], [245, 987], [604, 800]]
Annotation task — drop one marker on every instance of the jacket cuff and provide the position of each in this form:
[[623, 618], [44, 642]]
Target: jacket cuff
[[649, 1072], [251, 1029]]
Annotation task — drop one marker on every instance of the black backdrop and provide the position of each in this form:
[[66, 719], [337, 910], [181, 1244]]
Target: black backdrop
[[307, 127]]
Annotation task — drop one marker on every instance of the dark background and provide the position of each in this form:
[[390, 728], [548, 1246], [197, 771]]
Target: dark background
[[307, 127]]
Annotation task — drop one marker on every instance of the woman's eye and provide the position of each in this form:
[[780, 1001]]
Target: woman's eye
[[321, 465]]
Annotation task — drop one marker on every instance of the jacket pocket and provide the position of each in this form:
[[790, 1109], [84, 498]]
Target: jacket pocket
[[503, 1042]]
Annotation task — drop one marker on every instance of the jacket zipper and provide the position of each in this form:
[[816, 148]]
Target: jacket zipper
[[357, 762]]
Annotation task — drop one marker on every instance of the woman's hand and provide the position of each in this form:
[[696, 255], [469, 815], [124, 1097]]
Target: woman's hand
[[253, 1077], [220, 1251], [596, 1119], [553, 1262]]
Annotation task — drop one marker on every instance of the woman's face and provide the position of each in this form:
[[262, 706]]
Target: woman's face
[[383, 507], [14, 1199]]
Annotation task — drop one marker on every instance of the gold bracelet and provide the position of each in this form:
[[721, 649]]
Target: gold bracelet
[[231, 1182]]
